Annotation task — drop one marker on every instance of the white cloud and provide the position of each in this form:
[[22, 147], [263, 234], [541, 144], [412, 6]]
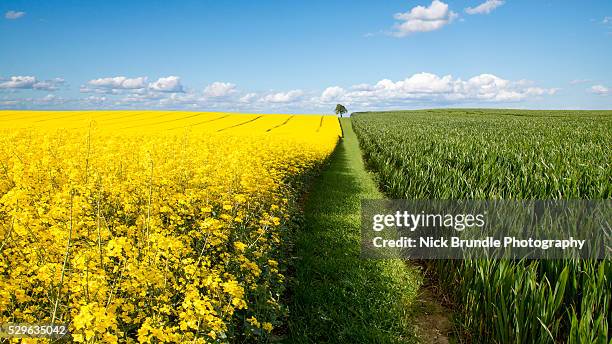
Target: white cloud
[[332, 93], [579, 81], [14, 15], [30, 82], [48, 85], [12, 103], [417, 90], [283, 97], [118, 83], [168, 84], [484, 8], [219, 89], [23, 82], [362, 87], [600, 89], [48, 101], [121, 91], [96, 99], [249, 97], [423, 19], [607, 20], [431, 88]]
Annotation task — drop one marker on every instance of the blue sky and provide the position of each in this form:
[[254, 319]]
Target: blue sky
[[290, 56]]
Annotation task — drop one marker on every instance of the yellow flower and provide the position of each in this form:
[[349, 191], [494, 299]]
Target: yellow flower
[[239, 246], [253, 321], [267, 326]]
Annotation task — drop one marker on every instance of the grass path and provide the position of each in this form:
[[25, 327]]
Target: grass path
[[339, 297]]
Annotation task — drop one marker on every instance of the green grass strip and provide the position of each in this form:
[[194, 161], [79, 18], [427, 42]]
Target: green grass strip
[[338, 297]]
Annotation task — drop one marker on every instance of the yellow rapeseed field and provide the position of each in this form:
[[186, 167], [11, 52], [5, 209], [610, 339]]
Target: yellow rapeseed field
[[144, 226]]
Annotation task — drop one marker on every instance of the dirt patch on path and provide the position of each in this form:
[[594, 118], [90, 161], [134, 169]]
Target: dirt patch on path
[[432, 314]]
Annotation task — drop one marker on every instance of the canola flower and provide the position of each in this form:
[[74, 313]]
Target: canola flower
[[151, 226]]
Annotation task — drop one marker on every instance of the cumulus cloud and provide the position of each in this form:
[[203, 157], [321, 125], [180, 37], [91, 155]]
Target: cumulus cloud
[[138, 85], [332, 93], [14, 82], [600, 89], [484, 8], [283, 97], [169, 84], [119, 82], [12, 15], [607, 20], [248, 98], [48, 85], [113, 84], [423, 19], [427, 87], [165, 92], [30, 82], [219, 89]]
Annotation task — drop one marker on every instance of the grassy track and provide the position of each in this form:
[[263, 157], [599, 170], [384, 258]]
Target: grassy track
[[339, 297]]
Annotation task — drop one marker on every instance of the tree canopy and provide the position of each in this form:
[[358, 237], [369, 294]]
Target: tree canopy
[[340, 110]]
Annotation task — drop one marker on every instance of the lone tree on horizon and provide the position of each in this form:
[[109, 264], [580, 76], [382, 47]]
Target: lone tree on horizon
[[340, 110]]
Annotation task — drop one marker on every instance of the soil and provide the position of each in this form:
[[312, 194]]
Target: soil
[[433, 315]]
